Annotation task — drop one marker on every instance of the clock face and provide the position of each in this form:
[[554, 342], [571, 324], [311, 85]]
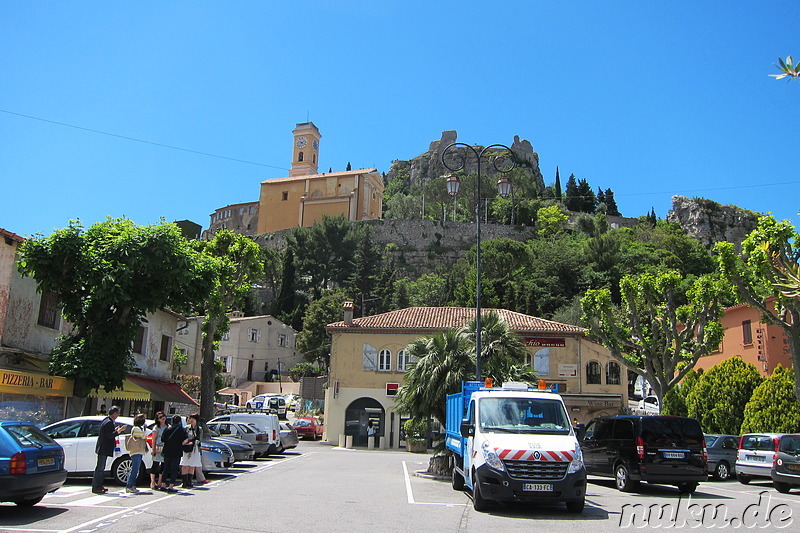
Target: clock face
[[301, 142], [316, 144]]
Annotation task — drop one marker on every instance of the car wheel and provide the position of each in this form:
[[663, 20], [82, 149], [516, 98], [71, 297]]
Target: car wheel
[[33, 501], [744, 480], [687, 487], [783, 488], [478, 502], [722, 472], [121, 469], [280, 449], [576, 507], [622, 479], [458, 480]]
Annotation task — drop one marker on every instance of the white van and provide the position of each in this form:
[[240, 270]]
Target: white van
[[269, 424]]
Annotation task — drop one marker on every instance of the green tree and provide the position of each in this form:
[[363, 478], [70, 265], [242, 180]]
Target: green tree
[[675, 400], [238, 264], [572, 200], [773, 405], [719, 397], [788, 69], [303, 369], [550, 221], [429, 290], [759, 275], [289, 306], [611, 204], [107, 278], [313, 341], [557, 186], [586, 200], [651, 333]]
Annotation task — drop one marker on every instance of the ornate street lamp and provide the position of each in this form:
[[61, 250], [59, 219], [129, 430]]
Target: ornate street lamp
[[502, 161]]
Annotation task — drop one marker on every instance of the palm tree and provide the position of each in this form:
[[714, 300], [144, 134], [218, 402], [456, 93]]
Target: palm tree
[[503, 352]]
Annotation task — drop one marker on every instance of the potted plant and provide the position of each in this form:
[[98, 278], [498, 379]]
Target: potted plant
[[416, 429]]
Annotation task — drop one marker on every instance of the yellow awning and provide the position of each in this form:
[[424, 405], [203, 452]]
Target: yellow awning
[[17, 382], [129, 391]]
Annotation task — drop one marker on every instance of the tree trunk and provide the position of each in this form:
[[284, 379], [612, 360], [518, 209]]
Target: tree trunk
[[207, 373]]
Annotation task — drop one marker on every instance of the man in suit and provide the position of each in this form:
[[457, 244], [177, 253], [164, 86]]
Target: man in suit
[[106, 442]]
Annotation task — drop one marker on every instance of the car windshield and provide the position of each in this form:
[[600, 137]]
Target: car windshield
[[523, 415], [27, 435], [301, 423]]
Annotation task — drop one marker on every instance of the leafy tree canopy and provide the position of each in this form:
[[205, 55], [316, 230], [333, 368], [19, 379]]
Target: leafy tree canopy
[[313, 341], [773, 406], [719, 397]]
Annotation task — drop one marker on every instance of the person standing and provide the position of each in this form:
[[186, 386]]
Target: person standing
[[137, 447], [191, 456], [157, 470], [106, 442], [172, 438]]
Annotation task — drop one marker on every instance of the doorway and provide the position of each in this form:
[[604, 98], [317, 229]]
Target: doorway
[[358, 416]]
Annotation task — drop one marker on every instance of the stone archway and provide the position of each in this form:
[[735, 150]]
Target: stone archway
[[357, 417]]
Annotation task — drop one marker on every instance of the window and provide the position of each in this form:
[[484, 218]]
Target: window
[[140, 343], [541, 362], [370, 357], [241, 211], [314, 158], [612, 373], [252, 209], [228, 360], [255, 335], [747, 332], [166, 347], [226, 336], [593, 373], [282, 340], [284, 196], [300, 156], [48, 311], [183, 329], [385, 361], [402, 360]]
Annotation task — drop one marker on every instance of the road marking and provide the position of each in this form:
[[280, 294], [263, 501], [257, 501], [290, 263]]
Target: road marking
[[410, 493], [270, 465]]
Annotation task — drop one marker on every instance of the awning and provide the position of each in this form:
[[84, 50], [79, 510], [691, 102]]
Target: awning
[[129, 391], [163, 390], [17, 382]]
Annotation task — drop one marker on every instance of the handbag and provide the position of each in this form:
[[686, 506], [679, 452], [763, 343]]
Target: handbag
[[188, 448], [135, 445]]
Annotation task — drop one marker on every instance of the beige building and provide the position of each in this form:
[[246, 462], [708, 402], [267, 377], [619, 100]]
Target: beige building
[[368, 362], [306, 195]]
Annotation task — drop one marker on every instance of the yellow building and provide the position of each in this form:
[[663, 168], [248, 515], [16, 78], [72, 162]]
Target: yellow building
[[368, 362], [305, 195]]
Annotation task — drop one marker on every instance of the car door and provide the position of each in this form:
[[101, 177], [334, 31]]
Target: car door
[[595, 445], [86, 455], [67, 435], [730, 448]]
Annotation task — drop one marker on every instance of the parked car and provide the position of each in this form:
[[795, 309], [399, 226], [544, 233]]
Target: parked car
[[650, 404], [241, 449], [269, 401], [219, 454], [755, 456], [78, 437], [785, 470], [267, 423], [722, 451], [244, 431], [669, 450], [308, 427], [31, 464], [289, 438]]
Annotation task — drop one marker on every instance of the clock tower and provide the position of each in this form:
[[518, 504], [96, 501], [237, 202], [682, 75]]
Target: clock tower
[[305, 150]]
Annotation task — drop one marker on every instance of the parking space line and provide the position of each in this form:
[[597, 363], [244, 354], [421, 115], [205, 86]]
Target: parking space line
[[410, 493], [281, 462]]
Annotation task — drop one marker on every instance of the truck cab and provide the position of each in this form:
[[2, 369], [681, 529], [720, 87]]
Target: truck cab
[[514, 444]]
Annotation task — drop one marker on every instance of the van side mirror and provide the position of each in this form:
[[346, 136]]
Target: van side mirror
[[467, 429]]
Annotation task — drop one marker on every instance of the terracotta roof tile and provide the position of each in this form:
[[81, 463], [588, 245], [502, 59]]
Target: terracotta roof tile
[[323, 175], [11, 235], [443, 318]]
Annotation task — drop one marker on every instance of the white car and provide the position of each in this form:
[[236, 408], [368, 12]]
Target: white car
[[78, 437], [650, 404], [275, 402]]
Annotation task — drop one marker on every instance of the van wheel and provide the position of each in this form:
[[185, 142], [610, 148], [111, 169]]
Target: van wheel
[[744, 480], [623, 480], [722, 471], [458, 480], [33, 501], [576, 507], [478, 502], [121, 469], [687, 487], [783, 488]]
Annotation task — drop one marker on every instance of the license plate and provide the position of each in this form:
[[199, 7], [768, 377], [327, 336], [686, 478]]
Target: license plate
[[46, 461], [537, 487], [673, 455], [756, 458], [794, 467]]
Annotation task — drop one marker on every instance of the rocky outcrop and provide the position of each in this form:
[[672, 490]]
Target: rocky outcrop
[[710, 222], [428, 166]]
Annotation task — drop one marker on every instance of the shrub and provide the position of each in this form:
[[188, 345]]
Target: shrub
[[675, 399], [773, 406]]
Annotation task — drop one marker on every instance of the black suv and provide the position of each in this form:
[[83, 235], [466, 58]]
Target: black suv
[[669, 450]]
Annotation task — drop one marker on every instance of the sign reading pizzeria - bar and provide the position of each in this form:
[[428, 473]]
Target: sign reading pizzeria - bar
[[545, 342], [38, 384]]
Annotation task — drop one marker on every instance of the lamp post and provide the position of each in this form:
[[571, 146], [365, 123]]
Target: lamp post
[[280, 378], [507, 162]]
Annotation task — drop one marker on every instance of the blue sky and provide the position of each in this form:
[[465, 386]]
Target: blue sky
[[650, 99]]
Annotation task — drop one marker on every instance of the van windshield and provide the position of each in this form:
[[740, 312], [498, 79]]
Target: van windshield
[[523, 415]]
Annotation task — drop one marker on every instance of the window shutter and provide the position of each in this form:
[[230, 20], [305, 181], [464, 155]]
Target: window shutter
[[370, 356]]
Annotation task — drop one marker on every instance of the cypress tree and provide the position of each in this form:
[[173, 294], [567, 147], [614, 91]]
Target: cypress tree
[[572, 200], [557, 186], [611, 204]]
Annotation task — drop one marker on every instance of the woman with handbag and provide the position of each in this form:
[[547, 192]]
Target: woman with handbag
[[136, 443], [157, 470], [191, 451]]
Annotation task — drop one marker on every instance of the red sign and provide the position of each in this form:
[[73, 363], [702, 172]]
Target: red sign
[[391, 389], [545, 342]]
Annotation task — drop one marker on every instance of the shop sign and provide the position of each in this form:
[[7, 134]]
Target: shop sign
[[29, 383], [545, 342], [567, 370]]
